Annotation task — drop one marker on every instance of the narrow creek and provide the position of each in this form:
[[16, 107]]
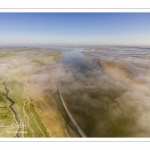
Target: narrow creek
[[11, 106]]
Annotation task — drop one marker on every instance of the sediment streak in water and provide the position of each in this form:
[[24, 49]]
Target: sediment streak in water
[[11, 106]]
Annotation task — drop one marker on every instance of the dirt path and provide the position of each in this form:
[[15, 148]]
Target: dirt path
[[27, 93]]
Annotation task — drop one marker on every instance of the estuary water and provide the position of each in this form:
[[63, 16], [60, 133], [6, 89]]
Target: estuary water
[[106, 92], [106, 89]]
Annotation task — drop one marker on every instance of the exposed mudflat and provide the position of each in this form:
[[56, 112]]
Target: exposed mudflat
[[43, 87]]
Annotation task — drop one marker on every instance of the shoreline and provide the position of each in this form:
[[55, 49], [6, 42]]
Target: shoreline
[[44, 116], [70, 116]]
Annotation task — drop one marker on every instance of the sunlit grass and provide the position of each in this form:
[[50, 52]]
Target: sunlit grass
[[16, 74]]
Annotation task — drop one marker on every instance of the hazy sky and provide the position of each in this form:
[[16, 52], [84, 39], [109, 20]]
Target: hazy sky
[[46, 29]]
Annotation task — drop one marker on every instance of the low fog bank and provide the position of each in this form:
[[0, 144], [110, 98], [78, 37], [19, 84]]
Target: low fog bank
[[22, 61], [46, 79], [45, 84], [111, 98], [114, 100], [16, 66]]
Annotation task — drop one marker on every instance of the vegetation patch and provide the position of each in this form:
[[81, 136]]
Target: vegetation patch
[[6, 55], [15, 71]]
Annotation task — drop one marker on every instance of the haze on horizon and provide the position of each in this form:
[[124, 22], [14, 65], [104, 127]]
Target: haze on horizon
[[47, 29]]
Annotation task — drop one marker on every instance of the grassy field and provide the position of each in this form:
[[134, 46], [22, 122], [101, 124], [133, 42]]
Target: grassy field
[[16, 65]]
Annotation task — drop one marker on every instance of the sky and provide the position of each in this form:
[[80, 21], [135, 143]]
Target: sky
[[48, 29]]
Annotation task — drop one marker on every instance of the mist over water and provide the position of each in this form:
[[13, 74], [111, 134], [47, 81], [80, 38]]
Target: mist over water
[[107, 90]]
